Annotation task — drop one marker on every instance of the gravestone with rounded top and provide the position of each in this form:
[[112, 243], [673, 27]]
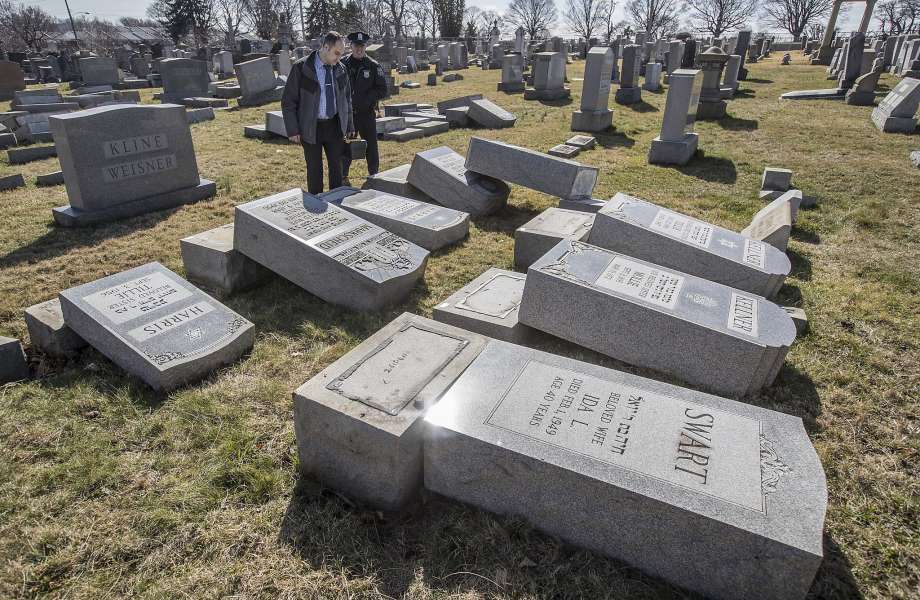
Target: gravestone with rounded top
[[124, 160], [156, 326]]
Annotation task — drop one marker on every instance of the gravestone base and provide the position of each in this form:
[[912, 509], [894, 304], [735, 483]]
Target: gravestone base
[[828, 94], [211, 261], [204, 102], [458, 116], [7, 140], [21, 156], [404, 135], [273, 95], [742, 74], [488, 305], [53, 178], [673, 153], [198, 115], [48, 332], [855, 97], [133, 84], [585, 120], [433, 127], [539, 235], [550, 95], [511, 87], [799, 318], [11, 182], [711, 109], [13, 366], [227, 91], [68, 216], [256, 132], [726, 93], [627, 96], [889, 124]]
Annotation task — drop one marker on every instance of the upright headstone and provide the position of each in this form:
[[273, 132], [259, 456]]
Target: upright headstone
[[184, 78], [595, 93], [852, 63], [442, 175], [223, 63], [156, 326], [258, 82], [711, 105], [678, 142], [897, 112], [512, 74], [359, 423], [535, 170], [650, 232], [629, 92], [548, 78], [707, 334], [12, 79], [634, 468], [742, 43], [124, 160], [675, 55], [99, 70], [730, 81], [652, 76]]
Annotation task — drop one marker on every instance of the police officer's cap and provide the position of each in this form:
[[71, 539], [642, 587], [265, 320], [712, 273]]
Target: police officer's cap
[[359, 37]]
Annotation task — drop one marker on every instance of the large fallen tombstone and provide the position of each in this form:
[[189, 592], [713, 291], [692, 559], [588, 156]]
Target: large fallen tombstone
[[650, 232], [441, 174], [488, 305], [156, 326], [710, 335], [718, 497], [331, 253]]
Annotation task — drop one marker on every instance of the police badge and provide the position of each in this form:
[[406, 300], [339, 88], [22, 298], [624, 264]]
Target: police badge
[[367, 74]]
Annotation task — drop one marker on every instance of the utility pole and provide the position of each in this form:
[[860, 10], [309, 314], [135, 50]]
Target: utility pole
[[303, 28], [72, 26]]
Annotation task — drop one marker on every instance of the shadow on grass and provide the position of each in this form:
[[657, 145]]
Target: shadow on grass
[[756, 80], [835, 575], [710, 168], [614, 139], [450, 548], [735, 124], [806, 236], [558, 103], [641, 107], [507, 219], [801, 265], [741, 93]]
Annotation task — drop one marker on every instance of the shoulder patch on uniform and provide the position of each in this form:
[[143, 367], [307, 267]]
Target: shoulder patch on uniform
[[380, 71]]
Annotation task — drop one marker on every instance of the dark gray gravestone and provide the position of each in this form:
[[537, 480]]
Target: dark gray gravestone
[[124, 160], [428, 225], [359, 421], [897, 111], [12, 79], [13, 365], [707, 334], [536, 237], [331, 253], [488, 305], [650, 232], [184, 78], [98, 70], [156, 326], [538, 171], [441, 174], [490, 115], [718, 497], [211, 261]]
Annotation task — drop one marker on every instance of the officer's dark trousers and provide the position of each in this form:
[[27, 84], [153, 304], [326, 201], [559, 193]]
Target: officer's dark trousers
[[366, 124], [329, 139]]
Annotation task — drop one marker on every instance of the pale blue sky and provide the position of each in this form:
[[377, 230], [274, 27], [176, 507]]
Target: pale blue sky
[[112, 10]]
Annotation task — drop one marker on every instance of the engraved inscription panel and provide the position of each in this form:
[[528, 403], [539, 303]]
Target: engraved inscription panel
[[680, 227], [452, 163], [498, 297], [394, 373], [135, 145], [389, 206], [171, 321], [674, 441], [643, 282], [137, 297], [301, 221], [139, 168]]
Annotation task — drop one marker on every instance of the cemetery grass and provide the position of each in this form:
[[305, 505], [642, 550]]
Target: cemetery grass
[[108, 490]]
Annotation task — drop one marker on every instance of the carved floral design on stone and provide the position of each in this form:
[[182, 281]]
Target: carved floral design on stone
[[771, 466]]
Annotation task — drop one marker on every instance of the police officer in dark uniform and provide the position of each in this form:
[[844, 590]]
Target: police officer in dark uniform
[[368, 86]]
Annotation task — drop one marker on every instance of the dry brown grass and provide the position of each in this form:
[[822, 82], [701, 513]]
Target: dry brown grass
[[109, 491]]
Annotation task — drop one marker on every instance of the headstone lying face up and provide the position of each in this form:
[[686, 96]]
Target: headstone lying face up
[[124, 160], [718, 497], [331, 253], [707, 334], [156, 326]]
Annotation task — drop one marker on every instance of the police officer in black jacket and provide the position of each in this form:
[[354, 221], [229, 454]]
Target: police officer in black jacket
[[368, 86]]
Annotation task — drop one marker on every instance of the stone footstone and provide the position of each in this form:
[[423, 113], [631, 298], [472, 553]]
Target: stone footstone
[[432, 79], [411, 85], [395, 181], [673, 152], [650, 232], [488, 305], [558, 442], [329, 252], [458, 116], [211, 261], [47, 330], [717, 337], [535, 170], [124, 160], [772, 224], [538, 236], [462, 101], [53, 178], [896, 113], [13, 365], [564, 151], [776, 179], [11, 182], [828, 94], [490, 115], [441, 174], [199, 115], [204, 102], [396, 109], [583, 142], [389, 124], [430, 226], [359, 422], [21, 156], [256, 132], [404, 135], [156, 326]]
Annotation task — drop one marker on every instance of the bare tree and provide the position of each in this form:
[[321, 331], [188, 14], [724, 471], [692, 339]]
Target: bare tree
[[229, 16], [423, 18], [533, 15], [583, 17], [795, 15], [262, 17], [30, 24], [656, 17], [609, 26], [900, 16], [718, 16], [396, 12]]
